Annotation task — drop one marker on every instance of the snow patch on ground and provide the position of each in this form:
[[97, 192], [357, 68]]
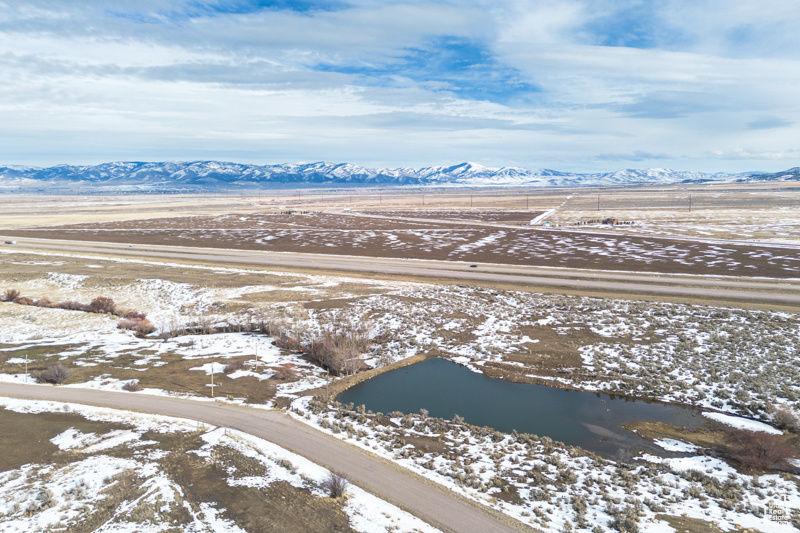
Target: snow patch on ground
[[742, 423], [72, 487], [672, 445]]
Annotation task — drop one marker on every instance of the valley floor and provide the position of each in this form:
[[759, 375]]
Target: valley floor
[[726, 360]]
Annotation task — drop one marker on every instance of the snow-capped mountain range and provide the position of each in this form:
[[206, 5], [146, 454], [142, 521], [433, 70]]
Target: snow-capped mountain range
[[200, 176]]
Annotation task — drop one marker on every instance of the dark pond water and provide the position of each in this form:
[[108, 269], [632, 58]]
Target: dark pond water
[[577, 418]]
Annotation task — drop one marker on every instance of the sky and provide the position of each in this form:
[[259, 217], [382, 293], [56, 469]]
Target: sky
[[571, 85]]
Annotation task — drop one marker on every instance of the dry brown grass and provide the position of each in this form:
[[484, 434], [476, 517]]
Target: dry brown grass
[[286, 372], [233, 367], [276, 507]]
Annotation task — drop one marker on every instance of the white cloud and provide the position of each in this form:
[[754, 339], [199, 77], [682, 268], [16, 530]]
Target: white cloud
[[162, 79]]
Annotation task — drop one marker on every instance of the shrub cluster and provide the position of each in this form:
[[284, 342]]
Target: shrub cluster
[[101, 304], [55, 374], [784, 418], [337, 350], [132, 386], [133, 321], [138, 323], [758, 451]]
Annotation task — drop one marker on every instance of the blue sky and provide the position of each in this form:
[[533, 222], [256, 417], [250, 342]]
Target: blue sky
[[583, 85]]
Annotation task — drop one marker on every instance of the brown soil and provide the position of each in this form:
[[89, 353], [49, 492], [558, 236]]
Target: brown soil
[[554, 350], [174, 376], [26, 437], [684, 524], [387, 238], [476, 215], [710, 435], [278, 507], [424, 444]]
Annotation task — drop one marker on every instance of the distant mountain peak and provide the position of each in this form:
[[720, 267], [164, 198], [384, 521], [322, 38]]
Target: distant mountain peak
[[205, 176]]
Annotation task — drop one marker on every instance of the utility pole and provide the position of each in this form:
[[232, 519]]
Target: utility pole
[[212, 379], [527, 202], [26, 368], [690, 203], [470, 200], [598, 202]]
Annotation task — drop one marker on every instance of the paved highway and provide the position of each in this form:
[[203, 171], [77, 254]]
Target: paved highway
[[753, 290]]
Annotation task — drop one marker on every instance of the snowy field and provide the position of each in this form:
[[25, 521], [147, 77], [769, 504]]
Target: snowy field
[[356, 234], [557, 488], [740, 362], [765, 225], [59, 495]]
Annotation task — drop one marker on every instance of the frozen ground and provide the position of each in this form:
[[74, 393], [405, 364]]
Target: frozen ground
[[58, 496], [347, 234], [738, 361], [558, 488], [768, 225]]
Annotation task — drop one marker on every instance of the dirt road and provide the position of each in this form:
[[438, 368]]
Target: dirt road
[[430, 502], [719, 289]]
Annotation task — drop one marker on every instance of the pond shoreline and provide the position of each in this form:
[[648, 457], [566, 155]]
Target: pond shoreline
[[589, 419], [340, 385]]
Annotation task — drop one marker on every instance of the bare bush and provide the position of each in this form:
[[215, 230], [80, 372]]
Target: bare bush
[[10, 295], [134, 315], [291, 344], [233, 367], [55, 374], [71, 305], [102, 304], [286, 371], [44, 302], [784, 418], [339, 348], [206, 325], [335, 484], [23, 300], [132, 386], [140, 326], [757, 450], [144, 327]]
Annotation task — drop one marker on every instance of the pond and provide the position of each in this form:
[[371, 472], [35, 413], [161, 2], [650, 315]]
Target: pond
[[578, 418]]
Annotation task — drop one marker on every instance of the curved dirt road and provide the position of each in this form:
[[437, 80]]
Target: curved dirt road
[[753, 290], [430, 502]]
